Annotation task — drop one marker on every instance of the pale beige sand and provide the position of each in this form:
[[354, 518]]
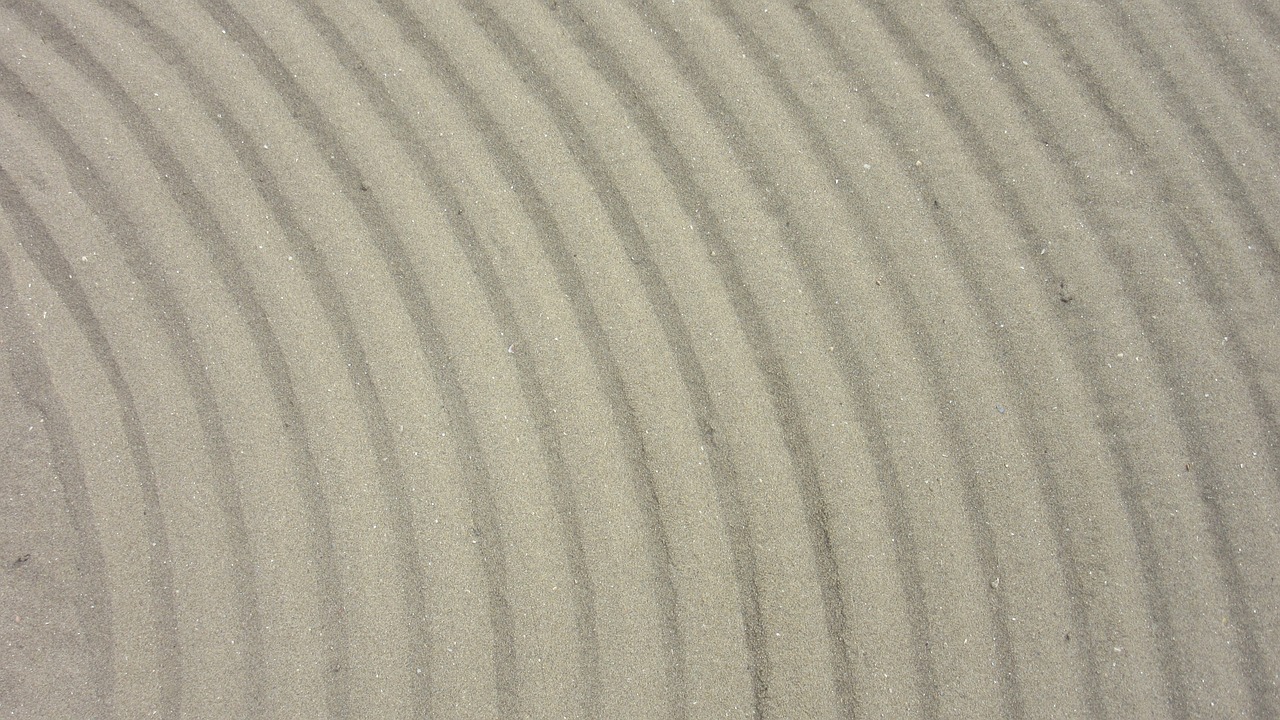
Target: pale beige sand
[[402, 358]]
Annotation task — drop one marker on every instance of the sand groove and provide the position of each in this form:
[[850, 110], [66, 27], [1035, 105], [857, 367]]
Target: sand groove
[[595, 359]]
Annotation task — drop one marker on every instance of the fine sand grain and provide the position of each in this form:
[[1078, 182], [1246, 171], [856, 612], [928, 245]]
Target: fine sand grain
[[599, 359]]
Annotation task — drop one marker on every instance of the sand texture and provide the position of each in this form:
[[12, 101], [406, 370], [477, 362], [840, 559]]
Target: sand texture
[[644, 359]]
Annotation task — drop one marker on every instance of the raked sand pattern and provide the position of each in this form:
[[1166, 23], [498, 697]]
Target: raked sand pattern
[[599, 359]]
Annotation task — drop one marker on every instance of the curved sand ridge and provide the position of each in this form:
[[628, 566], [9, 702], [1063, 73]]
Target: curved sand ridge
[[691, 359]]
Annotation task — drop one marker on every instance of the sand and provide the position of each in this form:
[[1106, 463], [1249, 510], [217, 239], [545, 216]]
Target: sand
[[401, 358]]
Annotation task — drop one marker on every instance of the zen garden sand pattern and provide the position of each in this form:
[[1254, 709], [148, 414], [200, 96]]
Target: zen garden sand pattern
[[639, 359]]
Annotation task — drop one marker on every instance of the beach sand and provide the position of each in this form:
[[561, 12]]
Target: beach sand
[[593, 359]]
